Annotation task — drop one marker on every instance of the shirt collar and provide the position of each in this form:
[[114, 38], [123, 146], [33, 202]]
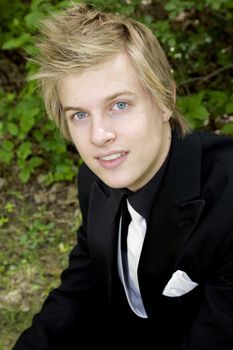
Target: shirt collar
[[142, 199]]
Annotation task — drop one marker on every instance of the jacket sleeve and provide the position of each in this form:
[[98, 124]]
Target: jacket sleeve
[[213, 327], [69, 307]]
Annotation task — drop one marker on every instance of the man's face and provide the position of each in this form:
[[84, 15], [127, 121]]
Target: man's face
[[116, 127]]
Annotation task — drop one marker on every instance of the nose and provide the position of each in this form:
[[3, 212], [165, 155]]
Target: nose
[[102, 132]]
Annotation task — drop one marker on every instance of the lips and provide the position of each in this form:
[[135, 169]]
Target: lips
[[112, 160], [112, 156], [108, 156]]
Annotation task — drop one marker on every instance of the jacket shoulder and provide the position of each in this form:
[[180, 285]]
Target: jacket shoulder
[[217, 149], [85, 181], [85, 178]]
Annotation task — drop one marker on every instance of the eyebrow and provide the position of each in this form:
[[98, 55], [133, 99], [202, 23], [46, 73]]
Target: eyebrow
[[107, 99]]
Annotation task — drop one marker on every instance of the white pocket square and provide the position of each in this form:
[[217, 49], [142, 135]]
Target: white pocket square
[[179, 284]]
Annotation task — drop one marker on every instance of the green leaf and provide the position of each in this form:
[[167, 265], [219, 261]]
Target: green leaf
[[229, 105], [127, 10], [202, 113], [174, 7], [35, 5], [12, 129], [216, 4], [38, 135], [16, 43], [148, 20], [193, 109], [217, 98], [24, 150], [229, 108], [27, 121], [6, 156], [24, 175], [7, 145], [34, 162], [21, 163], [228, 129], [33, 18]]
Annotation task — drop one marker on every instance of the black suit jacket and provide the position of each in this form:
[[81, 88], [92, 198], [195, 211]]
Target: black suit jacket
[[191, 229]]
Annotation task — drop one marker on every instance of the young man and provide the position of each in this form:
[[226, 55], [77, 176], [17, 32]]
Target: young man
[[154, 259]]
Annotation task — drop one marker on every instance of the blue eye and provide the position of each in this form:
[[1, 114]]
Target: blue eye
[[121, 105], [80, 115]]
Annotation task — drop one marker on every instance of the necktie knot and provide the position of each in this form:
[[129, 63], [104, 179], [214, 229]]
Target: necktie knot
[[137, 219]]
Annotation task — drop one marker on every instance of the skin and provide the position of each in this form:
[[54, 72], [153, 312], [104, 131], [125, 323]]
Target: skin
[[118, 130]]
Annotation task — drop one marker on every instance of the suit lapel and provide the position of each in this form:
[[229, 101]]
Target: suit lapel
[[102, 231], [170, 226], [175, 214]]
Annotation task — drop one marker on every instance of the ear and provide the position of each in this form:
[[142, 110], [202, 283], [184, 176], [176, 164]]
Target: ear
[[167, 113]]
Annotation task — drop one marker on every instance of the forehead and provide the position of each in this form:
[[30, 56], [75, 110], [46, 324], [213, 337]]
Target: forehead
[[116, 74]]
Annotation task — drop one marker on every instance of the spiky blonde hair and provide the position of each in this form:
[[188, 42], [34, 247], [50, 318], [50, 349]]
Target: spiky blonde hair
[[82, 37]]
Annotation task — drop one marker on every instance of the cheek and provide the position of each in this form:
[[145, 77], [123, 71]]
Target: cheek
[[78, 142], [149, 138], [79, 138], [82, 147], [146, 129], [135, 127]]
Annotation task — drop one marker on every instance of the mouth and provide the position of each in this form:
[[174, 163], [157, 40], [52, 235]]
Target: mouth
[[112, 156], [112, 160]]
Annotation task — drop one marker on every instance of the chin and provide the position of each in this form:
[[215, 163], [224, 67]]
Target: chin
[[115, 184]]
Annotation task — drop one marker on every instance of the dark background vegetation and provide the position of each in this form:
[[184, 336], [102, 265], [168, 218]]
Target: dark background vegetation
[[39, 209]]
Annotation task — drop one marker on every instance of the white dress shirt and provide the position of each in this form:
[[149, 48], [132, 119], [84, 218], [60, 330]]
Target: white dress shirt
[[128, 261]]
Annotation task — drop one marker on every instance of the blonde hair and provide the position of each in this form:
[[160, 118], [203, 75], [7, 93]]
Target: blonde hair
[[82, 37]]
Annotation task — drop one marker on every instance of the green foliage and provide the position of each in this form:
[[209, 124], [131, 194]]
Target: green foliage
[[196, 35], [37, 234], [192, 107], [33, 252], [197, 39], [27, 138]]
